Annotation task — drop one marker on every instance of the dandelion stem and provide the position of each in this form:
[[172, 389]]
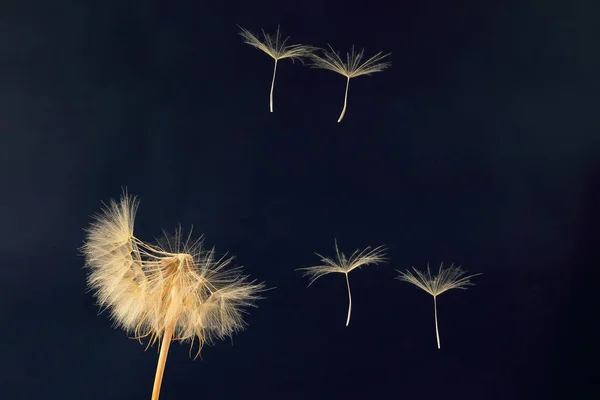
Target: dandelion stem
[[162, 360], [437, 332], [273, 85], [345, 99], [349, 300]]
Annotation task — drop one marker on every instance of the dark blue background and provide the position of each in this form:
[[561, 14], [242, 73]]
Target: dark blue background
[[478, 146]]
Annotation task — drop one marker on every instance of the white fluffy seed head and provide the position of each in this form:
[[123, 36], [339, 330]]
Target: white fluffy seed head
[[148, 288]]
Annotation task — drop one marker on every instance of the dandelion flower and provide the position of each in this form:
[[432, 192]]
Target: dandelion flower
[[172, 290]]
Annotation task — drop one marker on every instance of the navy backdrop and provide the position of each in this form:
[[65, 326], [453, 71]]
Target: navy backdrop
[[478, 146]]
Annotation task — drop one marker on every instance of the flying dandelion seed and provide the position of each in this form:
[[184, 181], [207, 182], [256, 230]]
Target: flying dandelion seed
[[172, 290], [275, 47], [344, 266], [352, 68], [446, 279]]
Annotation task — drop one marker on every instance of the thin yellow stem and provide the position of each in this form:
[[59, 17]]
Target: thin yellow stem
[[345, 100], [437, 332], [162, 360], [272, 86], [349, 300]]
